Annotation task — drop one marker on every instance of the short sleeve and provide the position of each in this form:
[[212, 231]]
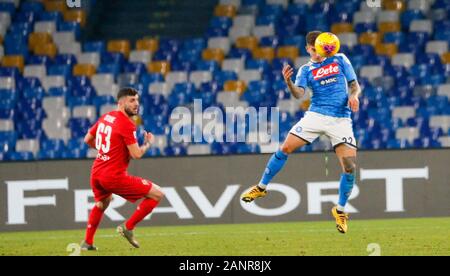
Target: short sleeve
[[129, 135], [301, 80], [93, 129], [349, 72]]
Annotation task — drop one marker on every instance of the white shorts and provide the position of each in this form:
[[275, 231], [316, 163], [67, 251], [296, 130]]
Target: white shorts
[[313, 125]]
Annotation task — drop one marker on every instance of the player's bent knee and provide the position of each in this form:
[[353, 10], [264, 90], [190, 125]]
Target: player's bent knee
[[104, 204], [349, 164], [156, 193], [286, 149], [159, 195]]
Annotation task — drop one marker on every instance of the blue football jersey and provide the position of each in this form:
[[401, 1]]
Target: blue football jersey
[[328, 81]]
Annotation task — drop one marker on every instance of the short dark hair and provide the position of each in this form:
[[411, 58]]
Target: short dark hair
[[125, 92], [311, 37]]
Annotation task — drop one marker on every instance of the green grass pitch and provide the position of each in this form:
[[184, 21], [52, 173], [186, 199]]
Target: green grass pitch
[[427, 236]]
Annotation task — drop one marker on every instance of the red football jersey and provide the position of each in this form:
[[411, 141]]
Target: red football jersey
[[113, 132]]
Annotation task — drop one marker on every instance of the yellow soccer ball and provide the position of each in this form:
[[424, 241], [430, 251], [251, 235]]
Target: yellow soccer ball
[[327, 44]]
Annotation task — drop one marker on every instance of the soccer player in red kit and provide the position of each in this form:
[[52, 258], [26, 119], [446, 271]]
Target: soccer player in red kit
[[114, 136]]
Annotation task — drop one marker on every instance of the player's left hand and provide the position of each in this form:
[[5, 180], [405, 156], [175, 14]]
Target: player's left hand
[[353, 103]]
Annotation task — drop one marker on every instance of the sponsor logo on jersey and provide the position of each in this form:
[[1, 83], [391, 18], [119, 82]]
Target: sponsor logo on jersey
[[103, 157], [328, 81], [326, 71]]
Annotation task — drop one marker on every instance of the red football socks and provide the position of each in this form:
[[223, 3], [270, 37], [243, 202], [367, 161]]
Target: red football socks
[[94, 220], [145, 208]]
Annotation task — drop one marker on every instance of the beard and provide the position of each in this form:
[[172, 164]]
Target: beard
[[130, 112]]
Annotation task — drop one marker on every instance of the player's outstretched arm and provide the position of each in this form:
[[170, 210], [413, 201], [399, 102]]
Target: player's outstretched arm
[[297, 92], [353, 98], [137, 152]]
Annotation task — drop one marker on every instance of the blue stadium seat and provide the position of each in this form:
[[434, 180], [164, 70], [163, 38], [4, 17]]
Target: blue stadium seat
[[95, 46], [7, 141], [258, 64], [365, 50], [223, 76], [215, 32], [148, 79], [78, 101], [59, 91], [186, 66], [269, 41], [7, 113], [9, 72], [8, 7], [113, 58], [184, 88], [23, 29], [20, 156], [77, 143], [191, 55], [169, 44], [37, 93], [395, 37], [135, 68], [207, 65], [74, 154], [267, 19], [247, 148], [165, 55], [52, 145], [213, 87], [79, 127], [49, 155], [40, 60], [79, 81], [240, 53], [109, 68], [223, 23], [26, 17], [175, 150], [153, 152], [60, 70], [102, 100], [66, 59], [365, 27], [408, 16], [291, 25], [32, 6], [50, 16], [70, 27]]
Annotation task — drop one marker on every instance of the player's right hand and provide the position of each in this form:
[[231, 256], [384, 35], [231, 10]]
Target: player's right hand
[[288, 71], [149, 137]]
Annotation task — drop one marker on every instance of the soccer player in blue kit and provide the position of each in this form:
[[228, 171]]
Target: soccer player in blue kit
[[335, 95]]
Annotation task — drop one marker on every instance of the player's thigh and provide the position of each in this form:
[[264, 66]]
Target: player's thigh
[[308, 129], [132, 188], [101, 194], [292, 143], [340, 132]]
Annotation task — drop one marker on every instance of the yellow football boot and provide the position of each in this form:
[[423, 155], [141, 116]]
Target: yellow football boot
[[341, 220], [253, 193]]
